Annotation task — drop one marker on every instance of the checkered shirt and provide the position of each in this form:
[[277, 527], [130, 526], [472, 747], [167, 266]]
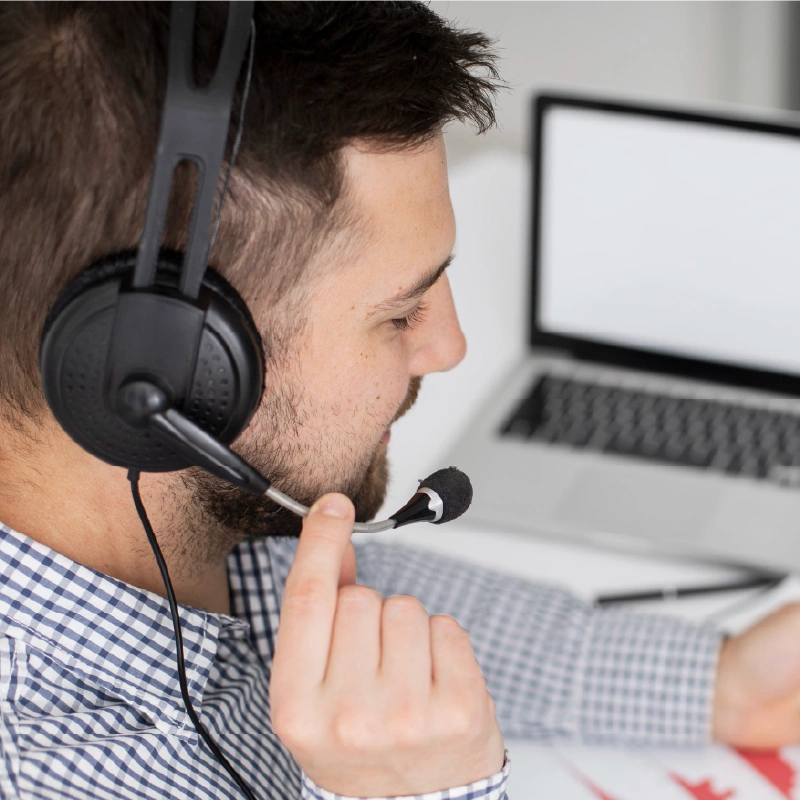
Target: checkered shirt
[[90, 705]]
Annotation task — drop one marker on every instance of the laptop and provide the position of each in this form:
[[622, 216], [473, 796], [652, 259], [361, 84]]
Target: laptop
[[656, 407]]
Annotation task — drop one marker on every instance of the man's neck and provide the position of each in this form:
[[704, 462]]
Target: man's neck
[[65, 499]]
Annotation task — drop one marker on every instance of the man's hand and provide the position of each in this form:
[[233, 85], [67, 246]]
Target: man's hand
[[373, 697], [757, 699]]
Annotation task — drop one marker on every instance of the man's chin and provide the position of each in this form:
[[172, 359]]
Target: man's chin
[[370, 496], [237, 515], [229, 516]]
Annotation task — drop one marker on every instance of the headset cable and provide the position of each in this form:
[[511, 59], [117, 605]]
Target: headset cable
[[133, 477]]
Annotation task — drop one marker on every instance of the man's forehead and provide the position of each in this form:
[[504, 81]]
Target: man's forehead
[[402, 203], [390, 186]]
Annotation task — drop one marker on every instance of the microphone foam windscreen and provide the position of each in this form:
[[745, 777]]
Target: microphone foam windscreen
[[455, 489]]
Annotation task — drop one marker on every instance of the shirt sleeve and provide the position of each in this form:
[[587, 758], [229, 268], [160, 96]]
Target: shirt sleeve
[[559, 669], [493, 788]]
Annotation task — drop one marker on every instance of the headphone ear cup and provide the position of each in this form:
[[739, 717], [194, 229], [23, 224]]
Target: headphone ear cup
[[228, 375]]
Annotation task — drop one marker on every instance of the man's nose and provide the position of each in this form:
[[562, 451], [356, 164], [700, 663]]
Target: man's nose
[[439, 343]]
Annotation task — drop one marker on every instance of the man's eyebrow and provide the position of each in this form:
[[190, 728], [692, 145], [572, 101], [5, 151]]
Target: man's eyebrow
[[417, 290]]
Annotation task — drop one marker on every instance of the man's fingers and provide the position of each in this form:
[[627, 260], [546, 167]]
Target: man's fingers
[[348, 575], [311, 593]]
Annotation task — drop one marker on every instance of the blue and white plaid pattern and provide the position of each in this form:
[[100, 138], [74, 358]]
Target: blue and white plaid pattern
[[493, 788], [90, 705]]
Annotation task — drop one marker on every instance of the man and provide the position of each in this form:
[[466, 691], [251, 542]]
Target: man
[[336, 233]]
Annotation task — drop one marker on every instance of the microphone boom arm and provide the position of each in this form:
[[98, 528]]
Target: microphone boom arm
[[209, 454], [302, 511]]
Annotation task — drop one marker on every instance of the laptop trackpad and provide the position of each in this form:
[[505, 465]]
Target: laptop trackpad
[[638, 500]]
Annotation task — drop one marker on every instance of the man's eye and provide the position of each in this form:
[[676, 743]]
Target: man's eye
[[413, 319]]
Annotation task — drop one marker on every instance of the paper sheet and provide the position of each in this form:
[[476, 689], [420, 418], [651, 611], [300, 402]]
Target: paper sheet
[[713, 773]]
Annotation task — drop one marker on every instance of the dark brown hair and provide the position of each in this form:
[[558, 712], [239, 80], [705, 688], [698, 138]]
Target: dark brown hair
[[82, 87]]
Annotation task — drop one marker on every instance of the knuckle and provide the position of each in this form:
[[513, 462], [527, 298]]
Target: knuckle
[[466, 717], [291, 727], [359, 731], [409, 724], [404, 606], [465, 707], [353, 731], [461, 721], [447, 626], [359, 597], [464, 724]]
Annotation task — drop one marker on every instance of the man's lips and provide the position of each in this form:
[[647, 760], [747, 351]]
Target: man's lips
[[386, 436]]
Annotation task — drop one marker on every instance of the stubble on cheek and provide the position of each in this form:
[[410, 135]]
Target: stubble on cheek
[[306, 452]]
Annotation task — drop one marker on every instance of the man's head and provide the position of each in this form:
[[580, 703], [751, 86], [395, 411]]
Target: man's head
[[337, 224]]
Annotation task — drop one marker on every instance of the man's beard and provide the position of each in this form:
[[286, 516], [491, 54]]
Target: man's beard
[[220, 516]]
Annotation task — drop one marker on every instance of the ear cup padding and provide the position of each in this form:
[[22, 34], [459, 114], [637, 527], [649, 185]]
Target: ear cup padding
[[228, 371], [116, 266]]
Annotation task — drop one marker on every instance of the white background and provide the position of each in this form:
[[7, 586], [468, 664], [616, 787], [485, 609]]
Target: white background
[[698, 52]]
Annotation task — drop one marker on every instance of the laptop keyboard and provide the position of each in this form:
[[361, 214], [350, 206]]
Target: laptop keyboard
[[698, 433]]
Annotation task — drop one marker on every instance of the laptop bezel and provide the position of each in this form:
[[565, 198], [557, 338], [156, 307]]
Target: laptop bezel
[[596, 350]]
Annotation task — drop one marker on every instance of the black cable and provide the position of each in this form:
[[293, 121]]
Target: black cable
[[133, 477]]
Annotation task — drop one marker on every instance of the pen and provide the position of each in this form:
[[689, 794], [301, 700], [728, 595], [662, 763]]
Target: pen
[[675, 592]]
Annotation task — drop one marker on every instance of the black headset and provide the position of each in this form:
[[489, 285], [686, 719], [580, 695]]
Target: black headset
[[149, 359], [143, 333]]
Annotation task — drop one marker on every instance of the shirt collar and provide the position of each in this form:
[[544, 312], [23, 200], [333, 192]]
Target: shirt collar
[[257, 570], [116, 634]]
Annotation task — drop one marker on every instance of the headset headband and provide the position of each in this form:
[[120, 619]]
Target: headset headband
[[194, 127]]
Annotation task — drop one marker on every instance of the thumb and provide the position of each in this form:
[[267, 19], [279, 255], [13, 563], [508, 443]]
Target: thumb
[[324, 519], [347, 575]]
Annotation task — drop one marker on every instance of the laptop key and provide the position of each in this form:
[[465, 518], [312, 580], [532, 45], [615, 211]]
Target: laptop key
[[521, 426], [578, 436]]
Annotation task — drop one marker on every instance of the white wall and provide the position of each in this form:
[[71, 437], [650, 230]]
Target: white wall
[[700, 52]]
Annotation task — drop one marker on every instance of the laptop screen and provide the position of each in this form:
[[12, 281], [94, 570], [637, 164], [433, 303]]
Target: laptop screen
[[672, 236]]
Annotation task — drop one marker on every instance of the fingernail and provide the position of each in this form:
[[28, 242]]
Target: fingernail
[[332, 507]]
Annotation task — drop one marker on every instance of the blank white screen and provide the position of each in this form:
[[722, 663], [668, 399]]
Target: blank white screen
[[671, 236]]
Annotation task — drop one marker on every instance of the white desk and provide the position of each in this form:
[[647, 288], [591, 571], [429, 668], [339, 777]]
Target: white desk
[[489, 281]]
